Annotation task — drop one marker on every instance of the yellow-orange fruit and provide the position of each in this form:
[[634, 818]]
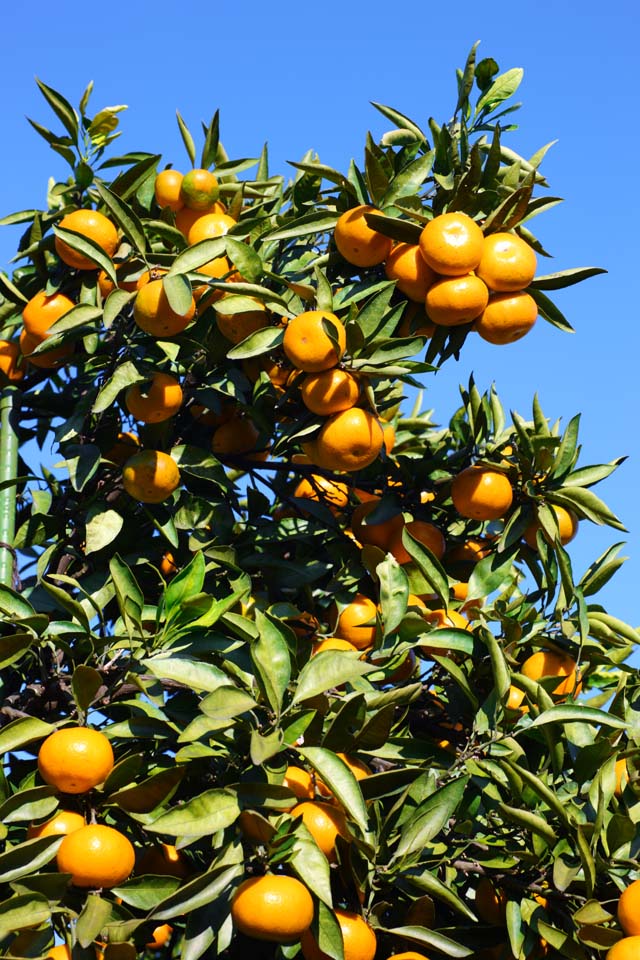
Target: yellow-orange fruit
[[150, 476], [349, 441], [406, 265], [507, 262], [357, 622], [549, 663], [330, 391], [325, 822], [154, 314], [92, 225], [308, 346], [452, 301], [167, 189], [426, 533], [452, 244], [60, 824], [75, 759], [358, 938], [567, 527], [481, 493], [273, 907], [155, 401], [359, 243], [96, 856], [507, 317]]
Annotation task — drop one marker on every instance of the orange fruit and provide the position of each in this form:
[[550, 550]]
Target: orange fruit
[[349, 440], [160, 937], [236, 327], [59, 952], [96, 856], [92, 225], [443, 619], [273, 907], [567, 527], [548, 663], [154, 314], [388, 437], [452, 244], [629, 909], [128, 281], [381, 534], [324, 822], [481, 493], [471, 551], [154, 401], [408, 955], [9, 356], [75, 759], [507, 264], [167, 189], [622, 776], [329, 391], [406, 265], [333, 493], [199, 189], [61, 823], [332, 643], [277, 372], [514, 700], [426, 533], [491, 903], [358, 938], [168, 567], [237, 437], [358, 243], [357, 622], [299, 781], [41, 312], [150, 476], [308, 346], [208, 226], [49, 360], [186, 217], [125, 446], [164, 860], [456, 300], [626, 949], [506, 317]]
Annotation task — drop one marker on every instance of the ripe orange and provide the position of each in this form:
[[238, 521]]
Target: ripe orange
[[96, 856], [381, 534], [199, 189], [9, 356], [507, 263], [358, 243], [160, 937], [349, 441], [150, 476], [92, 225], [153, 313], [333, 493], [452, 244], [406, 265], [324, 822], [59, 952], [481, 493], [186, 217], [308, 346], [75, 759], [154, 401], [491, 903], [388, 436], [237, 437], [471, 551], [125, 446], [272, 907], [164, 860], [358, 938], [626, 949], [622, 776], [168, 566], [49, 360], [507, 317], [443, 619], [236, 327], [357, 622], [629, 909], [41, 312], [330, 391], [332, 643], [567, 526], [456, 300], [128, 281], [549, 663], [61, 823], [208, 226], [167, 189], [426, 533], [408, 955], [299, 781]]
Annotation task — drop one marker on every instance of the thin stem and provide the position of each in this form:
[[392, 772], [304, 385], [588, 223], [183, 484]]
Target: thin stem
[[9, 403]]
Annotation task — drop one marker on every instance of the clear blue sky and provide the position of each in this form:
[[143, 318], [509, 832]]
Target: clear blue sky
[[301, 76]]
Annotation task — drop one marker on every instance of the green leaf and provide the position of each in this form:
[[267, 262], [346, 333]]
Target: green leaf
[[125, 217], [204, 889], [124, 376], [400, 120], [429, 566], [576, 713], [178, 293], [93, 917], [586, 504], [312, 867], [102, 527], [326, 670], [187, 583], [409, 181], [565, 278], [29, 805], [196, 256], [549, 311], [14, 647], [394, 592], [200, 816], [340, 780], [194, 674], [22, 912], [25, 859], [88, 248], [85, 683], [500, 90], [430, 817], [245, 259], [61, 107], [21, 732], [432, 938], [270, 655], [304, 226], [262, 341], [187, 139]]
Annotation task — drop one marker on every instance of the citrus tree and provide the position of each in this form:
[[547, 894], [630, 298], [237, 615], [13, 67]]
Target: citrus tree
[[286, 667]]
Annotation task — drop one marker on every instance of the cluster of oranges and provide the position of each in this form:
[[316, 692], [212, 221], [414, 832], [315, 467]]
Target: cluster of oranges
[[458, 274]]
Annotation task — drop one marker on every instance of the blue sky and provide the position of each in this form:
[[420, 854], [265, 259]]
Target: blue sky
[[301, 76]]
